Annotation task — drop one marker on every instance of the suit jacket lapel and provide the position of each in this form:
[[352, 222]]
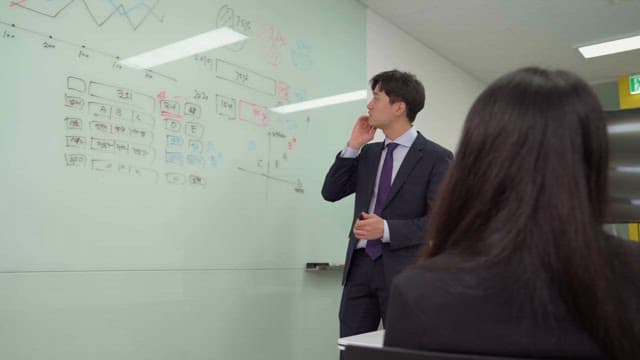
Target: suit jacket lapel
[[410, 161], [373, 161]]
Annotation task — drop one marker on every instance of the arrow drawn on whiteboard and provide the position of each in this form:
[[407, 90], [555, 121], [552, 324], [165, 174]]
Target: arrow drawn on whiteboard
[[268, 176], [148, 73], [298, 184]]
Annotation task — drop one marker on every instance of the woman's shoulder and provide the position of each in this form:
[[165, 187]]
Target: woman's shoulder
[[433, 290], [442, 273], [433, 268]]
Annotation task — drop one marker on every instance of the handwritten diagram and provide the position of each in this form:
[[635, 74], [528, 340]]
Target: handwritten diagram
[[185, 145], [245, 77], [302, 55], [228, 17], [114, 135], [248, 111], [276, 156], [83, 51], [101, 11], [113, 129], [272, 41], [171, 137]]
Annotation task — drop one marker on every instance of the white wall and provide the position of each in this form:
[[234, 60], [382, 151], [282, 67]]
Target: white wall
[[449, 90]]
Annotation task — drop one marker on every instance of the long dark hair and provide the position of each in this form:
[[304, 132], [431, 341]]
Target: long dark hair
[[528, 189]]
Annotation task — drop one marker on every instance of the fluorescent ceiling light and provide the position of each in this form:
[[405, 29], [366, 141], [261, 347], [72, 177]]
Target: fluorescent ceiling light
[[623, 128], [187, 47], [610, 47], [325, 101], [628, 169]]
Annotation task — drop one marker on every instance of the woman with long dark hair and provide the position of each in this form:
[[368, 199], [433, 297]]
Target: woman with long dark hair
[[516, 261]]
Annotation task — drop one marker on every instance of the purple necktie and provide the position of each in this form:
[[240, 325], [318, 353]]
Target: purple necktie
[[374, 247]]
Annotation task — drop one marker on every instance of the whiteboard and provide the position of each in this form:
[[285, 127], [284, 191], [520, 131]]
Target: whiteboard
[[182, 166]]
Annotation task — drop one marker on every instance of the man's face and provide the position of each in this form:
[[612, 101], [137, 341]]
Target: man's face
[[381, 111]]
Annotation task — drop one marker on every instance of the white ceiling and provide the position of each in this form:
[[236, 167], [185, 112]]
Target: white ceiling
[[487, 38]]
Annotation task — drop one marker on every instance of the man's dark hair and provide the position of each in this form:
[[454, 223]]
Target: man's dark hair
[[401, 86]]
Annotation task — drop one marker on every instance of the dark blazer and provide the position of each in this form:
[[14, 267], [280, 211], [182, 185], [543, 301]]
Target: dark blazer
[[440, 307], [412, 192]]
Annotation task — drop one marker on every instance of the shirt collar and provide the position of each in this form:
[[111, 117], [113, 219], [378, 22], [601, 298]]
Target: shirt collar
[[405, 139]]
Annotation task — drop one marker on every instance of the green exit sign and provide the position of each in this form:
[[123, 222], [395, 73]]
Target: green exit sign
[[634, 84]]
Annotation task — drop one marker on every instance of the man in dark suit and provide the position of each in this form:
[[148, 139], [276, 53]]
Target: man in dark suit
[[395, 182]]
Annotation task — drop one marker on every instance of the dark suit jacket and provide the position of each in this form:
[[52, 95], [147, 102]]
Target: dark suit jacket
[[438, 306], [413, 190]]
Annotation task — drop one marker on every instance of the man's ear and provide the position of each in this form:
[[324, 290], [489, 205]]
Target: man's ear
[[399, 108]]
